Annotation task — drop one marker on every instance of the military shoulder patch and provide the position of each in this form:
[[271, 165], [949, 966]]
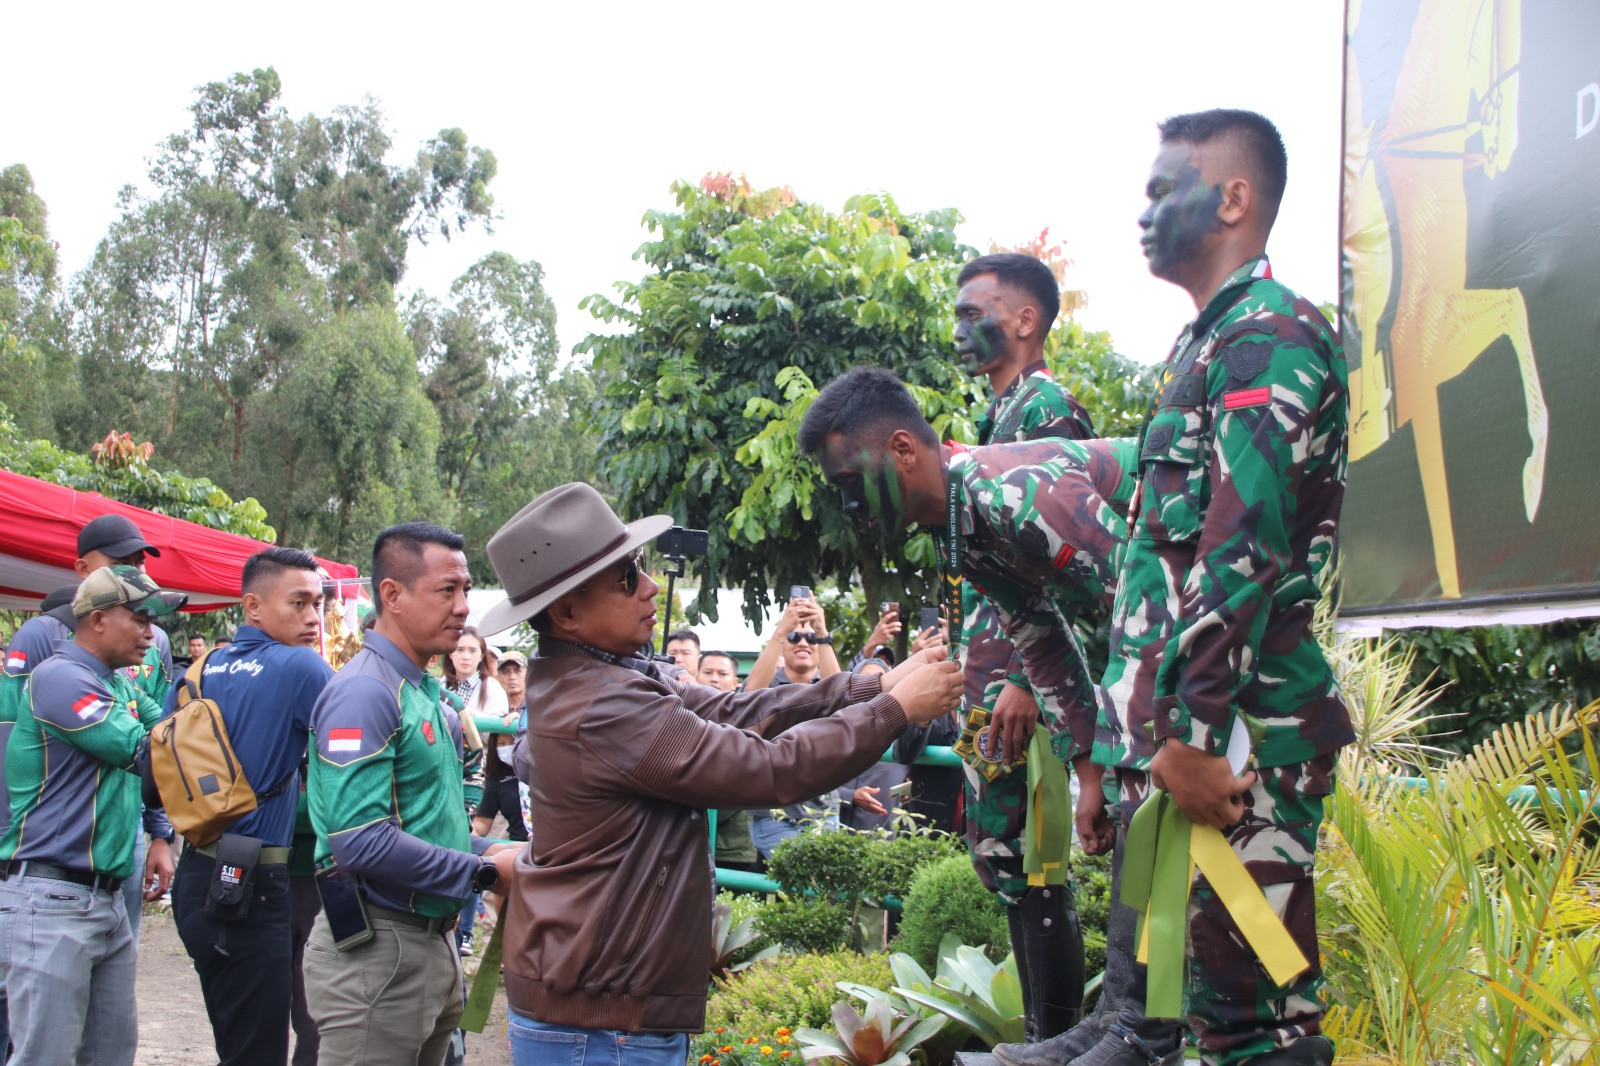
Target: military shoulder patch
[[1246, 359]]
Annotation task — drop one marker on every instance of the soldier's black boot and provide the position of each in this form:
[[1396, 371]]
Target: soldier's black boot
[[1050, 918], [1307, 1051], [1048, 946], [1020, 943]]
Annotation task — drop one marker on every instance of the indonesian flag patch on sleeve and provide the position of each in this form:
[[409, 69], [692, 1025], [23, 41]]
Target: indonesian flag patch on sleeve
[[16, 661], [344, 740], [1232, 401], [89, 706]]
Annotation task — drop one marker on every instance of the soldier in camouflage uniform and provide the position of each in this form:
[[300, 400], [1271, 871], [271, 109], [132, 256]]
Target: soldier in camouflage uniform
[[1005, 307], [1039, 525], [1242, 466]]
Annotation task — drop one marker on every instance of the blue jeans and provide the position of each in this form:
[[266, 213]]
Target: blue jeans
[[69, 968], [538, 1044], [767, 832], [133, 887], [244, 967]]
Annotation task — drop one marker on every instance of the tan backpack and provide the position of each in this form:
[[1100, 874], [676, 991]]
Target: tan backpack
[[201, 782]]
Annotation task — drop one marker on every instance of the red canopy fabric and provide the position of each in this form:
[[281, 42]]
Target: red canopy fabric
[[39, 524]]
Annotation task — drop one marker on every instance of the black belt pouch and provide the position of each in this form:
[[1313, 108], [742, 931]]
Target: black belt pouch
[[233, 878]]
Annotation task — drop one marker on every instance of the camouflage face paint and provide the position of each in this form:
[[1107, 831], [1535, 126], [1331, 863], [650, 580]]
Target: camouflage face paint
[[1182, 211], [871, 489], [880, 484], [980, 344]]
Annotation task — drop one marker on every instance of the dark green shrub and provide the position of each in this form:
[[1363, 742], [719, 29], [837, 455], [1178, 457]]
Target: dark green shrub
[[1091, 875], [802, 924], [947, 897], [833, 871], [791, 990]]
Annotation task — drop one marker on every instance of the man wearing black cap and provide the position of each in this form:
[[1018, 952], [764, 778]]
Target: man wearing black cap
[[110, 540], [70, 844]]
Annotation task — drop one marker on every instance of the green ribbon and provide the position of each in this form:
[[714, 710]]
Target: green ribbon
[[487, 980], [1046, 836], [1156, 874]]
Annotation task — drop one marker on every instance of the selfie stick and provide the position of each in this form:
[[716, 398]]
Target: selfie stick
[[674, 572]]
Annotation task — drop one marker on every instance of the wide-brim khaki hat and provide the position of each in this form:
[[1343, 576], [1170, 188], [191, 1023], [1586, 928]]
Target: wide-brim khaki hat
[[554, 545]]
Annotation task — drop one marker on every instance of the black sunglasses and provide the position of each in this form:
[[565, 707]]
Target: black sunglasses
[[796, 637], [629, 579]]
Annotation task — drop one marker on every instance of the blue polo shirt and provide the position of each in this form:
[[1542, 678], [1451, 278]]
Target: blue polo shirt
[[265, 691]]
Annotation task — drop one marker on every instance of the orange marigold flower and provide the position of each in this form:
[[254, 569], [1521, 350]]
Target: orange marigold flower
[[784, 1054], [783, 1031], [766, 1049], [719, 1029], [725, 1048], [708, 1058], [753, 1040], [784, 1038]]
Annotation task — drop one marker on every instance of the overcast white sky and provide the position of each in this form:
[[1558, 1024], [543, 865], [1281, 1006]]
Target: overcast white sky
[[1020, 115]]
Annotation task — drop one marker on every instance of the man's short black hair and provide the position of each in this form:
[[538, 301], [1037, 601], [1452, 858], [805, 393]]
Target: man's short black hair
[[267, 564], [721, 655], [1023, 273], [397, 554], [1253, 134], [861, 399], [685, 634]]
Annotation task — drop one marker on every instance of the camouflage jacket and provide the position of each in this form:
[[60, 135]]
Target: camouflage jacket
[[1033, 407], [1241, 471], [1042, 528]]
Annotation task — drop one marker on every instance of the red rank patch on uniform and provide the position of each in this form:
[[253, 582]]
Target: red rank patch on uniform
[[427, 731], [1232, 401], [1063, 557]]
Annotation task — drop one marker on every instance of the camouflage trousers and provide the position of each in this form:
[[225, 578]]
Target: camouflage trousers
[[1233, 1008], [996, 812]]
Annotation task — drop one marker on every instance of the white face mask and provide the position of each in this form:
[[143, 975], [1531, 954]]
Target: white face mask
[[505, 752]]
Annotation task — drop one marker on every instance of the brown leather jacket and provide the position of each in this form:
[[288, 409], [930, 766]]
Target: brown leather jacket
[[610, 909]]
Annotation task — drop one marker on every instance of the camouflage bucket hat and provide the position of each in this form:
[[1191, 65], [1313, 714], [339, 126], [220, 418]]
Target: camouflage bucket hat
[[111, 586]]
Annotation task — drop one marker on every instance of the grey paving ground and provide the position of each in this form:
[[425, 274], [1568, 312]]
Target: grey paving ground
[[173, 1030]]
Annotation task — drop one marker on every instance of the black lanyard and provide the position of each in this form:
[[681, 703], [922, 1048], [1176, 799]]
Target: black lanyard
[[952, 571]]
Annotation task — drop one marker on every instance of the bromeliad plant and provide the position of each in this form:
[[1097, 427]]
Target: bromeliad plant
[[968, 994], [883, 1037], [730, 938]]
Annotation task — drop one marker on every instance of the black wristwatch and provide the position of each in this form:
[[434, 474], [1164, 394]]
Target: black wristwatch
[[823, 640], [487, 877]]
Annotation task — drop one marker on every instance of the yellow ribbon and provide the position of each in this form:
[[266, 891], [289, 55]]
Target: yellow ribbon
[[1163, 850]]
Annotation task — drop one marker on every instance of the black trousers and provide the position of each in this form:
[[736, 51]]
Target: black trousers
[[246, 967]]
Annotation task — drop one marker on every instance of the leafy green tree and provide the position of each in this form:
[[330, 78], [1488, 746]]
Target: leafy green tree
[[30, 325], [362, 455], [507, 409], [754, 297], [257, 228], [1489, 676]]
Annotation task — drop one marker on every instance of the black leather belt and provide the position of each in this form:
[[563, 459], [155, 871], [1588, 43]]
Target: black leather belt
[[415, 921], [61, 873]]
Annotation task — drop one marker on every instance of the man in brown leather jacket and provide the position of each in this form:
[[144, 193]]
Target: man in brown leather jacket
[[608, 941]]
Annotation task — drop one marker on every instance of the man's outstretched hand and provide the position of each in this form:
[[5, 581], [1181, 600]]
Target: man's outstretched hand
[[932, 687], [1203, 786]]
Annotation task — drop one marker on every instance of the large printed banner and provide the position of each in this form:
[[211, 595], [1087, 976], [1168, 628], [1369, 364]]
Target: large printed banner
[[1471, 306]]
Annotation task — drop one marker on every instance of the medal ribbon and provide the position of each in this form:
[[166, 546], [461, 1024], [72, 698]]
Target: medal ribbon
[[1046, 834], [952, 566], [1162, 853], [487, 979]]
